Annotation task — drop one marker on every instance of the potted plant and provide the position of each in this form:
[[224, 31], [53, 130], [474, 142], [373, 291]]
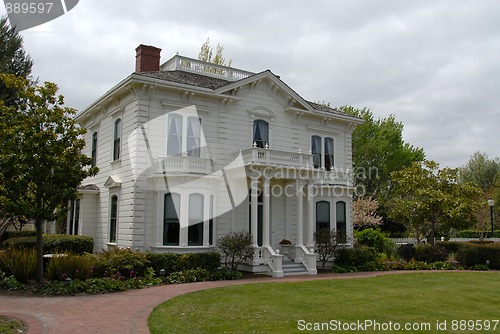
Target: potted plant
[[285, 247]]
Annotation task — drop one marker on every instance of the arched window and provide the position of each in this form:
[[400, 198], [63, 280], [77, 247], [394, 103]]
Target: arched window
[[117, 139], [113, 219], [261, 133], [195, 229], [322, 215], [171, 226], [341, 222], [94, 149]]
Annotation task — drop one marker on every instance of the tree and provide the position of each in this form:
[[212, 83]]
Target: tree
[[13, 58], [426, 198], [327, 242], [364, 213], [236, 247], [378, 150], [480, 170], [206, 53], [41, 163]]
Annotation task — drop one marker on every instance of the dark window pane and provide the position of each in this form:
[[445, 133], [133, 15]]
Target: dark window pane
[[322, 215], [316, 151], [260, 133], [171, 226]]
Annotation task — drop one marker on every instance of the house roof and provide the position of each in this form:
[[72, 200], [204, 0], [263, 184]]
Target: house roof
[[203, 81], [191, 79]]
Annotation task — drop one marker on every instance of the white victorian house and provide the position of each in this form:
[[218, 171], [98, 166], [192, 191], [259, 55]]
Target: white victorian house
[[190, 151]]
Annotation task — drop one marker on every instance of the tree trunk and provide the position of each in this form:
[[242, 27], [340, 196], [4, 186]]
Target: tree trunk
[[39, 251], [433, 233]]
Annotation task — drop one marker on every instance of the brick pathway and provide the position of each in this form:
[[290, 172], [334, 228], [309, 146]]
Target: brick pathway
[[123, 312]]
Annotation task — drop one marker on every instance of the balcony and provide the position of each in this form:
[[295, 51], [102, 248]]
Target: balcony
[[277, 158], [183, 165]]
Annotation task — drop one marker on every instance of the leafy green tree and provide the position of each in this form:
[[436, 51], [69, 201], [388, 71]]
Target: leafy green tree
[[378, 150], [426, 198], [480, 170], [13, 58], [207, 51], [41, 163]]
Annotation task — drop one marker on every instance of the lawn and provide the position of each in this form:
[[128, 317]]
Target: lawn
[[414, 299]]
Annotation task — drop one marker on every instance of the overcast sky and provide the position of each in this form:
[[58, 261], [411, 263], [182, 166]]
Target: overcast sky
[[435, 65]]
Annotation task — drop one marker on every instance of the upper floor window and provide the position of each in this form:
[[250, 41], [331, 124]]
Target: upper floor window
[[94, 149], [183, 135], [117, 139], [261, 133], [322, 150]]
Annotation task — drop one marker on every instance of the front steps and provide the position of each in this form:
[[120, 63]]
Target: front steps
[[291, 268]]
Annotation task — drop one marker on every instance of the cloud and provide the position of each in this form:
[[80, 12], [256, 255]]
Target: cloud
[[433, 64]]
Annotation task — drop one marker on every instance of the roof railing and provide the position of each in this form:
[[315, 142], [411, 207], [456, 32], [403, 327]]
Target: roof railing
[[186, 64]]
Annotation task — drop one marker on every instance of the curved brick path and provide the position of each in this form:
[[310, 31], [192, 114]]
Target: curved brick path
[[123, 312]]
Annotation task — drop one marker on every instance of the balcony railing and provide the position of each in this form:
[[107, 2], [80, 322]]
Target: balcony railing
[[280, 158], [184, 164], [200, 67]]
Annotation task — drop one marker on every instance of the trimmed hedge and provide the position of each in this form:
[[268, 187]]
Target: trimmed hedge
[[430, 254], [16, 234], [450, 246], [471, 255], [172, 262], [54, 243], [475, 234]]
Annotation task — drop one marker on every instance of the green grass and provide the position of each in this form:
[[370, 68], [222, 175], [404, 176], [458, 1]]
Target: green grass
[[277, 307], [11, 326]]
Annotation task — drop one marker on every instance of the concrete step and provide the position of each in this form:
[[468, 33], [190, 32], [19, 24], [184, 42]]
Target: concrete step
[[292, 268]]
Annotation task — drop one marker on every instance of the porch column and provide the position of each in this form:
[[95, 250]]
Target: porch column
[[310, 215], [265, 213], [254, 186], [300, 214]]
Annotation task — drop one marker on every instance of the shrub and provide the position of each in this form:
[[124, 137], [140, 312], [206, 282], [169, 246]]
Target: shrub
[[9, 282], [165, 261], [406, 251], [172, 262], [16, 234], [475, 234], [429, 254], [54, 243], [236, 247], [190, 275], [72, 266], [121, 262], [223, 274], [372, 238], [450, 246], [360, 258], [19, 263], [471, 254]]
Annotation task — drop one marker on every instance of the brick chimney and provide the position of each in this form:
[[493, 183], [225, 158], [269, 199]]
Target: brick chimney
[[147, 58]]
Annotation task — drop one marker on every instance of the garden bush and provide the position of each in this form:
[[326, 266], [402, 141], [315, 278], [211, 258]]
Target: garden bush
[[16, 234], [172, 262], [429, 253], [475, 234], [360, 258], [20, 263], [372, 238], [406, 252], [124, 263], [420, 265], [72, 266], [189, 275], [54, 243], [450, 246], [471, 255]]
